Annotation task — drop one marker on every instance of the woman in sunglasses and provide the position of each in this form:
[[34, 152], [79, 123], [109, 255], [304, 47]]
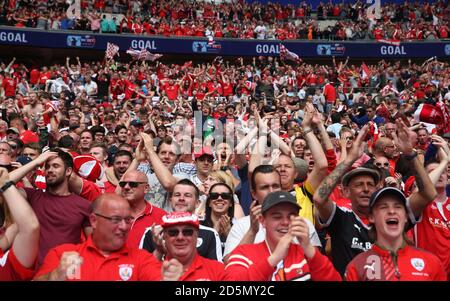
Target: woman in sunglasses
[[219, 211], [214, 177]]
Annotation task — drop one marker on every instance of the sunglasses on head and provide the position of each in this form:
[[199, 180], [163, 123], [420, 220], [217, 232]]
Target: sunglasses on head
[[224, 195], [186, 232], [130, 183]]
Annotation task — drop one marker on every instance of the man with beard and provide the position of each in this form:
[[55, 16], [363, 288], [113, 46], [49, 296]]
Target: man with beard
[[61, 214]]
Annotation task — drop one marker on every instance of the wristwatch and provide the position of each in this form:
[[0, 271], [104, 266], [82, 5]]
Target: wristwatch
[[6, 186], [410, 156]]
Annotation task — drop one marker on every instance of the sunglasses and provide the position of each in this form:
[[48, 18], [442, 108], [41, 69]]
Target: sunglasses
[[224, 195], [186, 232], [386, 164], [131, 184]]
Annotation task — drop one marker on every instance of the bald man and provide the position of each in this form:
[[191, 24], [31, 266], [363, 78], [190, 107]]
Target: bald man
[[133, 187], [105, 255]]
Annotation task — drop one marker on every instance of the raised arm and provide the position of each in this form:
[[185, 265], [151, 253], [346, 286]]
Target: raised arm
[[427, 192], [17, 174], [320, 160], [321, 197], [443, 155], [164, 175], [26, 242]]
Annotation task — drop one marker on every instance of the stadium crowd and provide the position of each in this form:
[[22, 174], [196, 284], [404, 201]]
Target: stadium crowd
[[236, 19], [226, 169], [116, 156]]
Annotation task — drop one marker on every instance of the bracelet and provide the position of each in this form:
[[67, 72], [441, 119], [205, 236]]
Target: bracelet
[[6, 186], [307, 130], [410, 156]]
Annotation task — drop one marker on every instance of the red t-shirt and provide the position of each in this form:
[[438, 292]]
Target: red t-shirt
[[11, 269], [122, 265], [433, 232]]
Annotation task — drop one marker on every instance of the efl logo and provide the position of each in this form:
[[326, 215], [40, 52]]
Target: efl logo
[[374, 10], [74, 10]]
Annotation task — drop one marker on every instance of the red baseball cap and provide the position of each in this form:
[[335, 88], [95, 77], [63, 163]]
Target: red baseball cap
[[29, 137], [205, 151]]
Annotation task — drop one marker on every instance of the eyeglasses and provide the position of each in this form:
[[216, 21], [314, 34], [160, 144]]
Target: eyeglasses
[[186, 232], [379, 164], [131, 184], [224, 195], [117, 219]]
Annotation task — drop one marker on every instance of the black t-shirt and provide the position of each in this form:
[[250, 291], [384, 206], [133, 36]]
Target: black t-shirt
[[208, 243], [349, 237]]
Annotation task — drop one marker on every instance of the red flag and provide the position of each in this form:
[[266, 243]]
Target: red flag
[[111, 50], [365, 71], [143, 55], [394, 42], [437, 115], [285, 54]]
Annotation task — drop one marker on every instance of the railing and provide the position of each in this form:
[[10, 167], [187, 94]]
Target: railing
[[223, 47]]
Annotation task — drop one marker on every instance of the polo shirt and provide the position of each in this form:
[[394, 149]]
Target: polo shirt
[[151, 215], [204, 269], [122, 265], [11, 269]]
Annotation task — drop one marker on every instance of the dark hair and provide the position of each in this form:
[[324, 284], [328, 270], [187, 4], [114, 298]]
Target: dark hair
[[264, 169], [188, 182], [64, 156], [119, 127], [66, 142], [123, 152], [97, 129], [169, 141], [87, 131], [208, 221]]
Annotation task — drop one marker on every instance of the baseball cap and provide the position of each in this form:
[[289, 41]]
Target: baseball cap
[[29, 136], [180, 218], [87, 167], [12, 130], [136, 122], [301, 167], [278, 197], [358, 172], [377, 195], [24, 160], [205, 151]]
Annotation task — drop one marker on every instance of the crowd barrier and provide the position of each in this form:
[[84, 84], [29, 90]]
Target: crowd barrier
[[223, 47]]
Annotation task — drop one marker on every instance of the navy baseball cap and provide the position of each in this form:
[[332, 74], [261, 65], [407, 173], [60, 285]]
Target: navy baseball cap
[[23, 160], [386, 191], [278, 197]]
